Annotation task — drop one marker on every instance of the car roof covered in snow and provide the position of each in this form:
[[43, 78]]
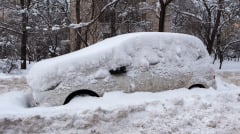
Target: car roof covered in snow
[[119, 51]]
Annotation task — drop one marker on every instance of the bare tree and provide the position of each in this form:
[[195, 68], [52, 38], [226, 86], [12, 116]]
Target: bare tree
[[78, 24], [43, 25], [212, 30], [212, 21]]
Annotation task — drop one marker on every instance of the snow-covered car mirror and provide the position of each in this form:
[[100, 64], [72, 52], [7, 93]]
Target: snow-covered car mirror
[[118, 70], [145, 61]]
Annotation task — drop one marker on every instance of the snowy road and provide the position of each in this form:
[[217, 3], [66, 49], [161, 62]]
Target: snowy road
[[183, 111], [12, 83]]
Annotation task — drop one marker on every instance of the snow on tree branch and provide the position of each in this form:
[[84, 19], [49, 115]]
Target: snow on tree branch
[[85, 24], [191, 15], [9, 29], [230, 44]]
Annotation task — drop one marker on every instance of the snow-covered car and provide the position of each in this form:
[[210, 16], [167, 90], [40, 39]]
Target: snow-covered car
[[145, 61]]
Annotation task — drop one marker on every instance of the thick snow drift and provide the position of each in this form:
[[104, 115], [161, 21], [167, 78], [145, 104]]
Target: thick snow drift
[[177, 111]]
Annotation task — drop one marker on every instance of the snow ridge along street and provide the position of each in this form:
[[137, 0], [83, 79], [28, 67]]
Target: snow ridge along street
[[180, 111]]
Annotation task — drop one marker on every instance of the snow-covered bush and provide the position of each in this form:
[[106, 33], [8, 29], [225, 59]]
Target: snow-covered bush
[[8, 65]]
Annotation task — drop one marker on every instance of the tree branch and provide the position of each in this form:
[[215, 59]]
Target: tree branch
[[12, 30], [86, 24], [230, 43]]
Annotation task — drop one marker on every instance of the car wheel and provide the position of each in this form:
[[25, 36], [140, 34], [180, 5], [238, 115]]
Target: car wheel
[[196, 86], [83, 92]]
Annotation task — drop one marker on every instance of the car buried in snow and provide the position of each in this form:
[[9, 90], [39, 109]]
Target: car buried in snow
[[144, 61]]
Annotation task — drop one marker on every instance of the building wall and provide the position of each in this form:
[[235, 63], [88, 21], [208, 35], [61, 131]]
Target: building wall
[[85, 12], [151, 16], [2, 12], [8, 4], [104, 27]]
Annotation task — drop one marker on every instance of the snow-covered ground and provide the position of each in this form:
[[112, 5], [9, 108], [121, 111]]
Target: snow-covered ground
[[197, 111], [15, 81], [228, 66]]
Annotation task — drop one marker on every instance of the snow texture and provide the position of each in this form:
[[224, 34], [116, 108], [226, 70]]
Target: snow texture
[[150, 58], [180, 111], [176, 111], [120, 51]]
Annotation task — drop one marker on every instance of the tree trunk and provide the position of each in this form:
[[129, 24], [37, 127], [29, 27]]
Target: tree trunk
[[24, 36], [210, 46], [113, 23], [113, 20], [78, 31], [220, 51], [221, 60], [163, 6], [215, 58], [162, 18], [215, 28], [23, 50]]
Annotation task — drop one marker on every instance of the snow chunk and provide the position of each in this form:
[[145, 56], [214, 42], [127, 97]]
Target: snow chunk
[[56, 27], [101, 74], [80, 25]]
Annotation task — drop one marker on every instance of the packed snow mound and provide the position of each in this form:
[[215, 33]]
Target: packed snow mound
[[130, 47], [175, 111]]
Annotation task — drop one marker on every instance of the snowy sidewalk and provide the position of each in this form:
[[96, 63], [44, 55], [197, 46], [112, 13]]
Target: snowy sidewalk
[[232, 77], [12, 83]]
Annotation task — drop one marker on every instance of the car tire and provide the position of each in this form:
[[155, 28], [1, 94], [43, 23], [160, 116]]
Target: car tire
[[196, 86], [82, 92]]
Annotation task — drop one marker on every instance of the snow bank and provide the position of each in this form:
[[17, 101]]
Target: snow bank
[[14, 101], [228, 65], [230, 71], [176, 111]]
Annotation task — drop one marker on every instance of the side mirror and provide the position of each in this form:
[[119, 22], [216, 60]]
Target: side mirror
[[118, 70]]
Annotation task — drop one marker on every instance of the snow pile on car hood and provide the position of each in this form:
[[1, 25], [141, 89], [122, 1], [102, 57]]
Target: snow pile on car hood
[[122, 50]]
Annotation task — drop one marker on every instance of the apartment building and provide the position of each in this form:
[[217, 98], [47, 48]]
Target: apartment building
[[5, 5], [128, 16]]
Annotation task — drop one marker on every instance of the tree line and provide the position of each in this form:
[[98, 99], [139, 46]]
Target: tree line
[[32, 30]]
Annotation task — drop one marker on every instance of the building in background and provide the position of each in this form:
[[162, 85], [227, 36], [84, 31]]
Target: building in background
[[124, 17], [5, 5]]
